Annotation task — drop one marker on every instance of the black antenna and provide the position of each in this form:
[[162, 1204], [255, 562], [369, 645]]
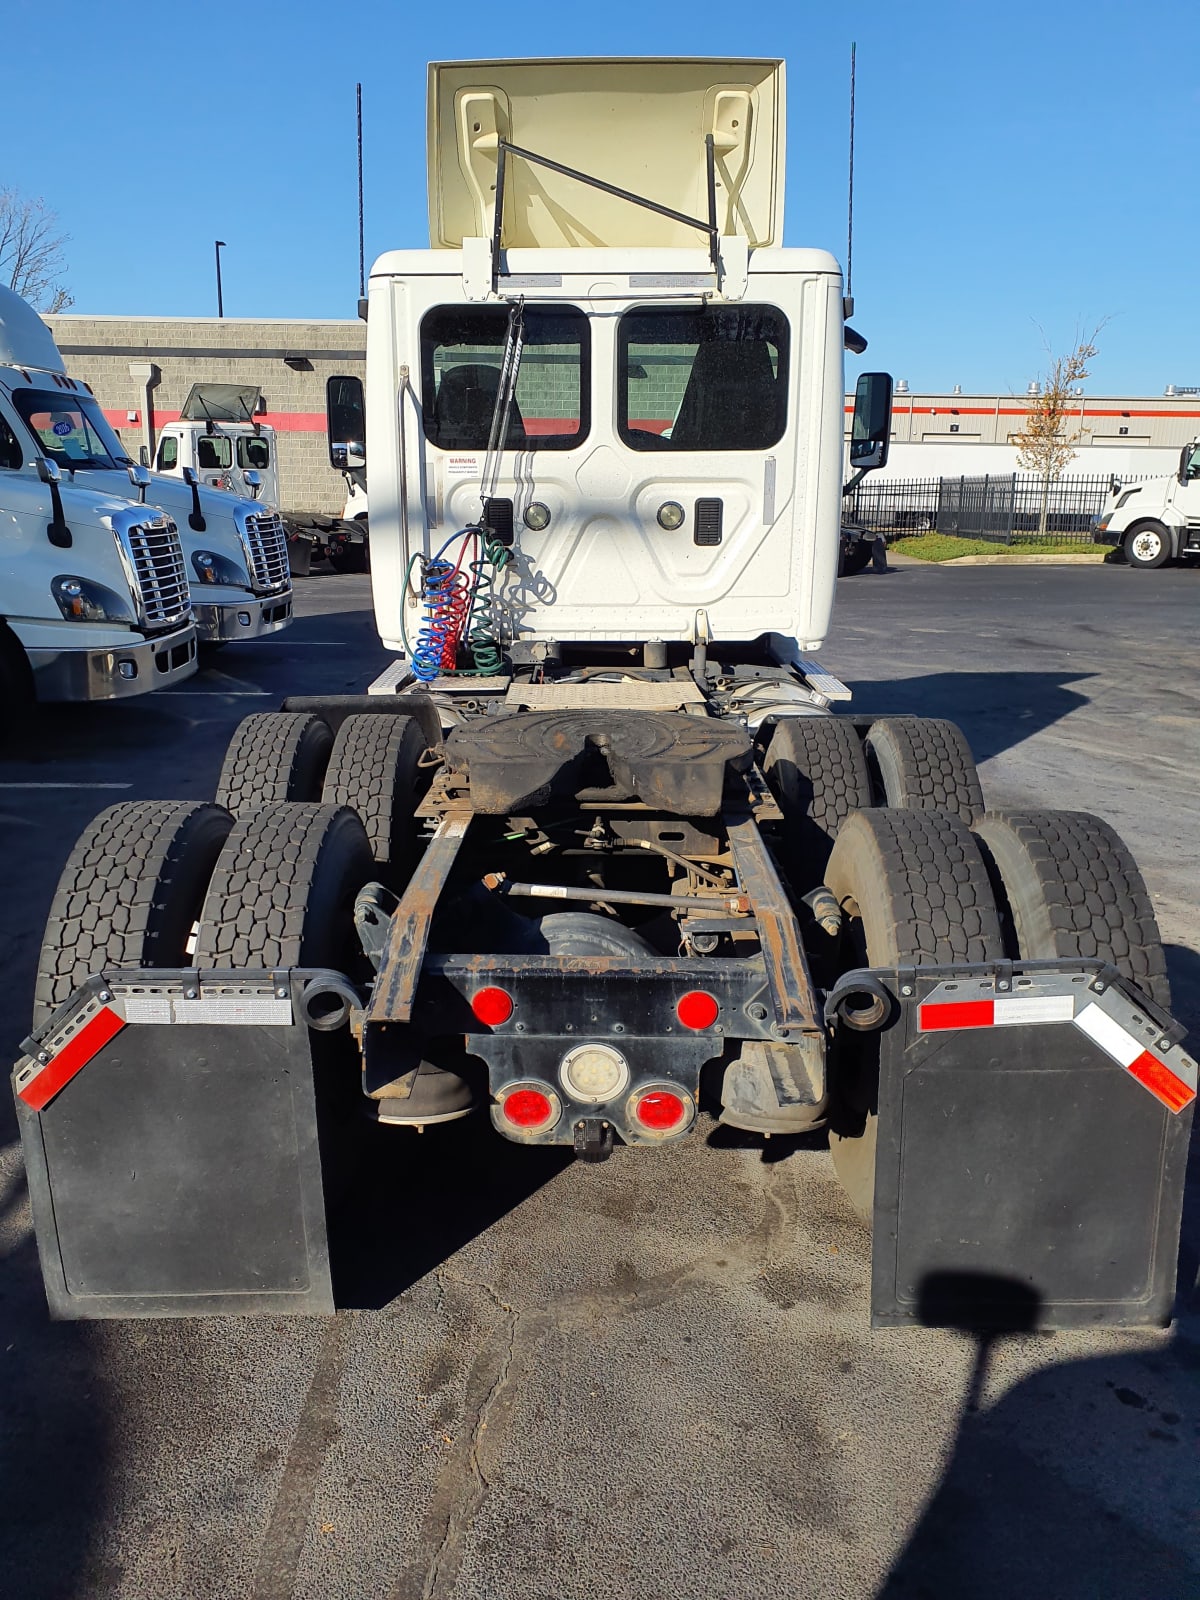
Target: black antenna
[[850, 207], [362, 277]]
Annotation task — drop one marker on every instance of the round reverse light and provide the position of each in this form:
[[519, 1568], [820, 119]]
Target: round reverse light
[[492, 1006], [594, 1073], [670, 515], [536, 516], [661, 1110], [697, 1010], [530, 1109]]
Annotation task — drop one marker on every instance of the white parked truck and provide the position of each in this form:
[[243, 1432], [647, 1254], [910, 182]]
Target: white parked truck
[[598, 859], [94, 600], [1158, 519], [218, 437], [235, 548]]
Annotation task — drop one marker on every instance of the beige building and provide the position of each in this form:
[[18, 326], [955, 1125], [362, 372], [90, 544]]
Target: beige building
[[141, 369]]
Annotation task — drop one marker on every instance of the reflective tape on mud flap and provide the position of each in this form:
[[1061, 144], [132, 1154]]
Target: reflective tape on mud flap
[[1109, 1020], [101, 1015]]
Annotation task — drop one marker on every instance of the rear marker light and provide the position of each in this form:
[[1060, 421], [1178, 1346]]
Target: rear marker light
[[529, 1109], [697, 1010], [660, 1110], [492, 1006]]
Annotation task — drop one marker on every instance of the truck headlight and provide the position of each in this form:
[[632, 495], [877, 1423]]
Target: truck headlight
[[210, 567], [81, 600]]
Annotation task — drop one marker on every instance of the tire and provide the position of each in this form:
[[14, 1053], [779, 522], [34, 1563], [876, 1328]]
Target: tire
[[274, 756], [1068, 886], [375, 770], [856, 559], [1148, 545], [915, 889], [924, 764], [818, 772], [129, 894], [350, 558], [282, 892]]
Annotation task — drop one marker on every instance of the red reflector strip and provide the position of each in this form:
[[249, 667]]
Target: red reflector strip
[[1156, 1076], [957, 1014], [72, 1058]]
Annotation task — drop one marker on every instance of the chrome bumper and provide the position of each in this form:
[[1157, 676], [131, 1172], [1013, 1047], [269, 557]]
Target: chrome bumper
[[250, 618], [114, 674]]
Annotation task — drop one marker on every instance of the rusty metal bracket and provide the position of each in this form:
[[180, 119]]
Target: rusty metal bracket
[[408, 932], [788, 977]]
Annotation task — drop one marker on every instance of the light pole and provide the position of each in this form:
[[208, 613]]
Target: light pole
[[219, 246]]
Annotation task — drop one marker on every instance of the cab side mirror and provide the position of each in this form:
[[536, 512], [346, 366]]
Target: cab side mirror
[[143, 455], [346, 423], [189, 477], [139, 477], [871, 433], [253, 481], [48, 471]]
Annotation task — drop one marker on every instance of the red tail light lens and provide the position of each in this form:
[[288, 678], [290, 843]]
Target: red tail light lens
[[697, 1010], [492, 1006], [528, 1109], [660, 1110]]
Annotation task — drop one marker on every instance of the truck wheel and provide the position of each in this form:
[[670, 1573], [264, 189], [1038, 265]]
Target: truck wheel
[[273, 756], [915, 891], [925, 764], [282, 891], [129, 894], [1068, 886], [856, 559], [1148, 544], [375, 770], [348, 558], [818, 772]]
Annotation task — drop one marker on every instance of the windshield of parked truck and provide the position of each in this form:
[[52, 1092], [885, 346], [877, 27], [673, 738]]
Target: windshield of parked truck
[[713, 378], [70, 428]]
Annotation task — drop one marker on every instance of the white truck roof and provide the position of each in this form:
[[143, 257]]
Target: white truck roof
[[25, 340], [638, 123]]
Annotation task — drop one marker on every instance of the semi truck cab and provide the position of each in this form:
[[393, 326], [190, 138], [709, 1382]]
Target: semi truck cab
[[94, 595], [1157, 520], [235, 548], [218, 437]]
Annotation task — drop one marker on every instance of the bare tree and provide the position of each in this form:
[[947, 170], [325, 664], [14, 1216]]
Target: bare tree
[[31, 251], [1047, 441]]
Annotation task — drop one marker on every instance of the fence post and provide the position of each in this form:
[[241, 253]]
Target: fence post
[[1012, 509]]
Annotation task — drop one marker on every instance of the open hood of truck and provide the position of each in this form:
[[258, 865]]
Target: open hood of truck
[[637, 123], [220, 402]]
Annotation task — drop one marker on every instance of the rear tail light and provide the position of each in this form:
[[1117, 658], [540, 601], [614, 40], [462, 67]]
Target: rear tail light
[[492, 1006], [697, 1010], [661, 1110], [530, 1108]]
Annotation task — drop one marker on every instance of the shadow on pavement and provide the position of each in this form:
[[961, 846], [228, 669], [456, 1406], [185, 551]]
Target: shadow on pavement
[[54, 1439], [996, 710], [416, 1198], [1081, 1481]]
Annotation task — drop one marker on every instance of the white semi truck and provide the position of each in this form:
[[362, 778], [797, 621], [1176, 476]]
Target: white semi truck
[[94, 599], [235, 548], [598, 858], [218, 437], [1157, 519]]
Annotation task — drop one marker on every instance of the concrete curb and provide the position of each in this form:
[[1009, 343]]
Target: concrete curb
[[1086, 557]]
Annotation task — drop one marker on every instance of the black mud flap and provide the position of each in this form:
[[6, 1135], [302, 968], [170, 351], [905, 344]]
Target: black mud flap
[[169, 1125], [1033, 1139]]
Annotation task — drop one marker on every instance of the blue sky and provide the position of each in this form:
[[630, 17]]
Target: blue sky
[[1019, 168]]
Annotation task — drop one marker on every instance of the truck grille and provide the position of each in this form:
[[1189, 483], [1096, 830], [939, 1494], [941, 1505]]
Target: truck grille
[[159, 570], [266, 547]]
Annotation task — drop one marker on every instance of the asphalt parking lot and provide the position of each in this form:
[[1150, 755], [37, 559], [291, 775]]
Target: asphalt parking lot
[[651, 1379]]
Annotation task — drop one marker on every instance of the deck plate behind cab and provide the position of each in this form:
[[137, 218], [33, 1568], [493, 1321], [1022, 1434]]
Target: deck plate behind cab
[[671, 761]]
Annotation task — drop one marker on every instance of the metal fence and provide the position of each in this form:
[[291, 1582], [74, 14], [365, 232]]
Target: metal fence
[[1004, 509]]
